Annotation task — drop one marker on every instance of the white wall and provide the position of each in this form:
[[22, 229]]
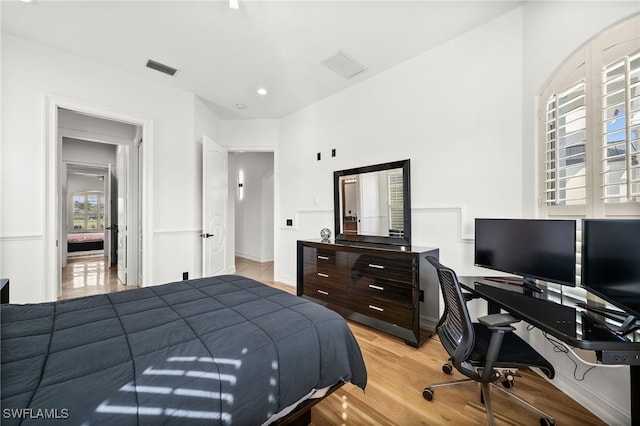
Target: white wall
[[83, 152], [30, 73], [84, 183], [254, 213], [450, 111]]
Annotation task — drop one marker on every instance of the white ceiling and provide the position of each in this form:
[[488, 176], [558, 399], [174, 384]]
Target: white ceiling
[[224, 55]]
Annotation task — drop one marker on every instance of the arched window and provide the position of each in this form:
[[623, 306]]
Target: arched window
[[589, 135], [589, 129]]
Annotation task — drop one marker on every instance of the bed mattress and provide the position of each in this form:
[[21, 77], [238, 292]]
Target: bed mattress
[[217, 350]]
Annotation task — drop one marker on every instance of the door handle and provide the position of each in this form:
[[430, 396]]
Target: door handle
[[205, 235]]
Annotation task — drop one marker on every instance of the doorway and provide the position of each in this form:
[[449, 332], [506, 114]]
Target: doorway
[[251, 184], [90, 124]]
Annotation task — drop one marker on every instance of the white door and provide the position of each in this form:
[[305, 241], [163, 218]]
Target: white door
[[122, 174], [64, 216], [214, 207], [108, 222], [140, 209]]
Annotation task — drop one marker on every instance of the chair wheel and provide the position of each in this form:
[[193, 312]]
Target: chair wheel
[[427, 394], [507, 383], [546, 422], [447, 368]]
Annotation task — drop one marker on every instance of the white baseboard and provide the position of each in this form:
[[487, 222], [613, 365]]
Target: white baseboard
[[602, 407], [254, 259]]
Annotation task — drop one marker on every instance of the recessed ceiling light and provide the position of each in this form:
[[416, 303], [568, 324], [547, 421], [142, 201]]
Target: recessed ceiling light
[[241, 106], [233, 4], [262, 91], [28, 1]]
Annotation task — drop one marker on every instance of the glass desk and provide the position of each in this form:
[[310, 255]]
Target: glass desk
[[579, 325]]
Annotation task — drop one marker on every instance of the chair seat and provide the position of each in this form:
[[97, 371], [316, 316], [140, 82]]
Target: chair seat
[[514, 352]]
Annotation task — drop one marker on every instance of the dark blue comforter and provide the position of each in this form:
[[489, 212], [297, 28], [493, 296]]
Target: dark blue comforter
[[218, 350]]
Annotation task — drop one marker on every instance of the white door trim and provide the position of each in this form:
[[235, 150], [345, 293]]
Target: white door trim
[[52, 232]]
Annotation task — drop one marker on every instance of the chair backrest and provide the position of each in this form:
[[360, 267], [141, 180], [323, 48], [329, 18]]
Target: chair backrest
[[455, 328]]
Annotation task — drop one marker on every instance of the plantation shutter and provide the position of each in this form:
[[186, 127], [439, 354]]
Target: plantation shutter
[[621, 130], [565, 139], [396, 202]]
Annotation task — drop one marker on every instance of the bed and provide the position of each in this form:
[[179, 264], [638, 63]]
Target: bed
[[218, 350], [85, 241]]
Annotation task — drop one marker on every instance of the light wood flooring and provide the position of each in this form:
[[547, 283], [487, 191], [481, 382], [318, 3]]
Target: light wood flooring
[[397, 375]]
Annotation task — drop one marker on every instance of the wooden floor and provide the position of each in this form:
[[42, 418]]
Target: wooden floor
[[397, 375]]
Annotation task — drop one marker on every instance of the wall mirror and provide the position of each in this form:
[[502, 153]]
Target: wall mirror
[[373, 203]]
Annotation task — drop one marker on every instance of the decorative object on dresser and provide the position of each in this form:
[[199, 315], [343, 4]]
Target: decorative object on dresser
[[325, 234], [386, 287]]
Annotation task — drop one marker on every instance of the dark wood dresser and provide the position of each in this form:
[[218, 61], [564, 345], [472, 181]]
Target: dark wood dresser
[[386, 287]]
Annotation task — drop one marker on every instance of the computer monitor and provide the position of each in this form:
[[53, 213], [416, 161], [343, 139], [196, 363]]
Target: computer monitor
[[611, 262], [534, 249]]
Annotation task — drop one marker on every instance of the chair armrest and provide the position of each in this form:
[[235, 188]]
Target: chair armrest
[[469, 296], [496, 321]]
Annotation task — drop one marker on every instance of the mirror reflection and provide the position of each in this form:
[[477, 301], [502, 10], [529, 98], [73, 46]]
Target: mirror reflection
[[372, 203]]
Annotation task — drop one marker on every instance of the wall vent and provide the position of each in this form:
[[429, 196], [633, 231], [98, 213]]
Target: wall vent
[[344, 65], [161, 67]]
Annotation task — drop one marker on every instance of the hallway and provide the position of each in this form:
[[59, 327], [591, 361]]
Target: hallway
[[89, 275]]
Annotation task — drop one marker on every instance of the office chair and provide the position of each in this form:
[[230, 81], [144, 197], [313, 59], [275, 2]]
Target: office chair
[[478, 350]]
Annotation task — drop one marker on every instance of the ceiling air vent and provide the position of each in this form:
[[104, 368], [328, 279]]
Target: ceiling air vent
[[161, 67], [344, 65]]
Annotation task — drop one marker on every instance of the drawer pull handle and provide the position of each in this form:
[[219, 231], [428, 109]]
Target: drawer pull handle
[[376, 287], [323, 292], [320, 274], [373, 265], [375, 308], [323, 257]]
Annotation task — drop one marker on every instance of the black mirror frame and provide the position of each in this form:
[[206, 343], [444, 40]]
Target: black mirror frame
[[406, 207]]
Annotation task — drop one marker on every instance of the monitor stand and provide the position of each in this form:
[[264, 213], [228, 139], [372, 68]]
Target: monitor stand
[[530, 285], [627, 326]]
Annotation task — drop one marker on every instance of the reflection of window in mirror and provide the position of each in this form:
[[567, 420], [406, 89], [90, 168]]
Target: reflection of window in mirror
[[88, 211], [396, 200], [350, 205]]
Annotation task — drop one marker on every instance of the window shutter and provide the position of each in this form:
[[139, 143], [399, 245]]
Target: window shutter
[[396, 200], [621, 130], [565, 138]]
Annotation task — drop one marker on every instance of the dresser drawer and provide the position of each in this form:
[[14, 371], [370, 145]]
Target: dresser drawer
[[325, 258], [330, 295], [393, 291], [325, 275], [395, 313], [398, 268]]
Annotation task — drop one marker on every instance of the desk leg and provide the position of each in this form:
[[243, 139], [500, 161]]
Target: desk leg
[[634, 373]]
